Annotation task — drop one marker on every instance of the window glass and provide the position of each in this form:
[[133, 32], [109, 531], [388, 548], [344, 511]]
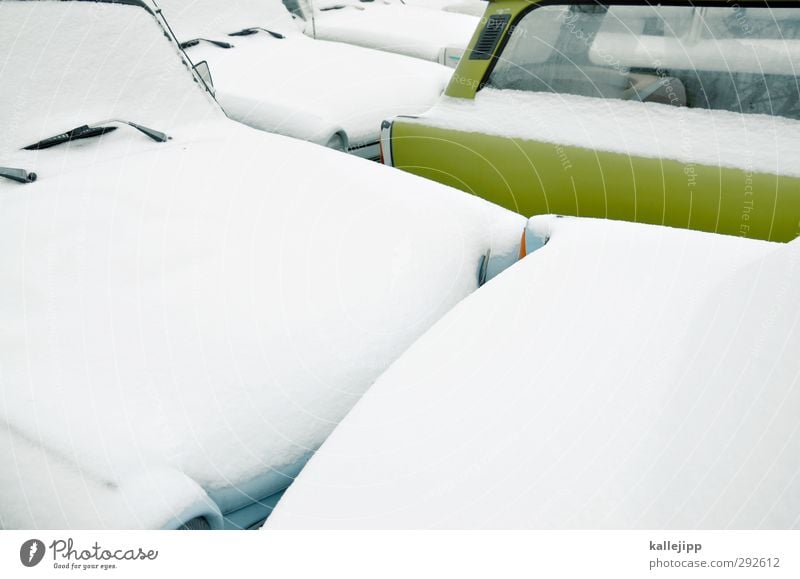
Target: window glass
[[731, 58]]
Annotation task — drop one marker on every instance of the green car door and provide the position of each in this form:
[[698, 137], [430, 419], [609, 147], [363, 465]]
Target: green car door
[[686, 116]]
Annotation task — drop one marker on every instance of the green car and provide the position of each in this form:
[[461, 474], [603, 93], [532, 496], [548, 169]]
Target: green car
[[680, 115]]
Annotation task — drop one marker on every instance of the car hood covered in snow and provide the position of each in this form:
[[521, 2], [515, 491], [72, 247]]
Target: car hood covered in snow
[[473, 7], [409, 30], [297, 86], [621, 376], [181, 319]]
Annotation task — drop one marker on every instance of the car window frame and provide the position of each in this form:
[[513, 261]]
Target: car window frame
[[515, 21]]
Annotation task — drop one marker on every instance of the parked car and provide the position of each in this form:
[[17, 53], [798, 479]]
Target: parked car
[[621, 376], [267, 74], [190, 305], [472, 7], [389, 26], [684, 116]]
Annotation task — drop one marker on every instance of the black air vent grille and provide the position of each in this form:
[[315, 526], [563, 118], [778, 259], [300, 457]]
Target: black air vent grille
[[490, 36]]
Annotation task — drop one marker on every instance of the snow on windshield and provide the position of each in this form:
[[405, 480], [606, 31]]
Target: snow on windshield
[[213, 19], [100, 61]]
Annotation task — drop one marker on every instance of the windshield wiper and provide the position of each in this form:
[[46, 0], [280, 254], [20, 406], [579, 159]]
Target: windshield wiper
[[18, 175], [256, 30], [340, 7], [196, 41], [94, 130]]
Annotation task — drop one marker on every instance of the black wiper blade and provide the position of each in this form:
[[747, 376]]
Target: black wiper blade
[[341, 7], [256, 30], [18, 175], [82, 132], [196, 41], [95, 130]]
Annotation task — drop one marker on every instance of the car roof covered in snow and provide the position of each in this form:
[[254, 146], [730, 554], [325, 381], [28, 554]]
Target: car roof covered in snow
[[410, 30]]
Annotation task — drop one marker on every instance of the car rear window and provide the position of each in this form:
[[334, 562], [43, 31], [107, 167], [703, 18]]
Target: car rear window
[[742, 59]]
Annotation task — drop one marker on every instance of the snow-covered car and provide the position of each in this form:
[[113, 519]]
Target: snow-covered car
[[621, 375], [267, 74], [684, 115], [188, 305], [390, 26], [472, 7]]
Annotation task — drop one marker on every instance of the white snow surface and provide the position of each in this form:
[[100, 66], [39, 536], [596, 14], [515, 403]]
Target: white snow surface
[[43, 490], [471, 7], [190, 19], [623, 376], [754, 143], [64, 83], [184, 316], [409, 30], [300, 87]]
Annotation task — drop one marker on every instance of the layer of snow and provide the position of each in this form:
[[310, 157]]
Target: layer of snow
[[622, 376], [471, 7], [43, 490], [755, 143], [409, 30], [434, 4], [190, 19], [137, 77], [208, 306], [300, 87]]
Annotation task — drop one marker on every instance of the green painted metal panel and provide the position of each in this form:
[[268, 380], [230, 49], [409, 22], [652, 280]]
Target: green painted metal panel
[[534, 178]]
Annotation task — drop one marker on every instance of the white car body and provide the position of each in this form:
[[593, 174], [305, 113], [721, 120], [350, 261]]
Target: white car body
[[329, 93], [391, 26], [623, 376], [183, 322]]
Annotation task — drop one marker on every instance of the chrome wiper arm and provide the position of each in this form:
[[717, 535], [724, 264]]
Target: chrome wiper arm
[[155, 135], [18, 175], [196, 41], [95, 130], [256, 30]]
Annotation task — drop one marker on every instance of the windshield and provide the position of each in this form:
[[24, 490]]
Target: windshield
[[125, 69], [713, 57], [215, 19]]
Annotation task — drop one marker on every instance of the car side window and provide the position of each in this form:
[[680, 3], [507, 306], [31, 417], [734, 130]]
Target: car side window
[[713, 57]]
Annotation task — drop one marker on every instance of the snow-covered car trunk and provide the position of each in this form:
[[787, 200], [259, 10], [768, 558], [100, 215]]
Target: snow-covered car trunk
[[183, 320], [393, 27], [620, 376], [273, 77]]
